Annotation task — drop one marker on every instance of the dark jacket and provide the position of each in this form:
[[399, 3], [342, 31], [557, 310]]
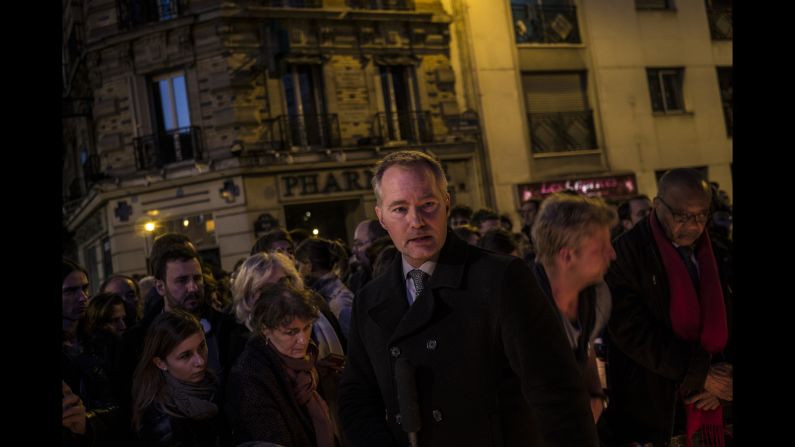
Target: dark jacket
[[493, 367], [261, 405], [647, 364], [91, 371], [160, 429], [589, 307]]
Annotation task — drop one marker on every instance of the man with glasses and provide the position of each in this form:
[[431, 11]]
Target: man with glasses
[[669, 374]]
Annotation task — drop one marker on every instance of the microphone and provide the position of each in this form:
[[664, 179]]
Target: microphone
[[407, 399]]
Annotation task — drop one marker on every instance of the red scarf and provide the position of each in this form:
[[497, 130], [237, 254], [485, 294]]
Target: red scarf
[[696, 318]]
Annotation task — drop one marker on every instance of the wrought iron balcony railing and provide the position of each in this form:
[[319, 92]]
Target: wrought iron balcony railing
[[317, 130], [157, 150], [545, 24], [413, 127], [562, 131], [133, 13], [394, 5], [720, 22]]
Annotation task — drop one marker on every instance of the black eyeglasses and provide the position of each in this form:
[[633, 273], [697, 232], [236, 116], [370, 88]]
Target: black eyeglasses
[[683, 218]]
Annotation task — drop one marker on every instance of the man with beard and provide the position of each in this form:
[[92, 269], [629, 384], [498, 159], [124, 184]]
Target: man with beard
[[179, 281], [670, 374], [573, 251]]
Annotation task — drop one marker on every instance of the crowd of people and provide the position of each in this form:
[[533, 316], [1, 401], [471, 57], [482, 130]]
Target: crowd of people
[[597, 323]]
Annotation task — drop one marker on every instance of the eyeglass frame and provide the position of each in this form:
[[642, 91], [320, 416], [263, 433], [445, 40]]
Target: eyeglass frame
[[678, 217]]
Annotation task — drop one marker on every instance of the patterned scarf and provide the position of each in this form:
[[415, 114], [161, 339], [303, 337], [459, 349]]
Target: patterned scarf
[[696, 318], [304, 378]]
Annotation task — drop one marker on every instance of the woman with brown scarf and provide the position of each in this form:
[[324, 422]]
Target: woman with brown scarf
[[272, 390]]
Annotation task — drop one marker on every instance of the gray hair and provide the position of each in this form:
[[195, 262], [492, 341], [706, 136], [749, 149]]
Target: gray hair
[[408, 159], [254, 273], [564, 220]]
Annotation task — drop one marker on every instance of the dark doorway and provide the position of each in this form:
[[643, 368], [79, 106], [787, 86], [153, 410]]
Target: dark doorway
[[331, 219]]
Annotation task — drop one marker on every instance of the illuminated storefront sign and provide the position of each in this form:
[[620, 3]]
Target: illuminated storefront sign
[[614, 187]]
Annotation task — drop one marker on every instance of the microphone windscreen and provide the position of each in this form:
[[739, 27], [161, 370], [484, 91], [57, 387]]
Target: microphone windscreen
[[407, 396]]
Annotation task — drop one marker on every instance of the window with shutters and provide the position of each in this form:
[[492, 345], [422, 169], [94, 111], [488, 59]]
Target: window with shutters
[[558, 112], [175, 138], [401, 119], [306, 122], [665, 88]]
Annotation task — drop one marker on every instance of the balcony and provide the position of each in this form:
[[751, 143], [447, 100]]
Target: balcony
[[286, 131], [411, 127], [160, 149], [545, 24], [562, 132], [392, 5], [720, 22], [133, 13]]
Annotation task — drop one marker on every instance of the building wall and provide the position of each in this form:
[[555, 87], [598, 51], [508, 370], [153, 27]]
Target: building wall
[[618, 43], [498, 96], [624, 42], [233, 72]]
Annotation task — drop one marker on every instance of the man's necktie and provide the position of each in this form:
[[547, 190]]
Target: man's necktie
[[420, 279]]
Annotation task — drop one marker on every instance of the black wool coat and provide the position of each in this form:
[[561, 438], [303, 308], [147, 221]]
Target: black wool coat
[[493, 366], [647, 364]]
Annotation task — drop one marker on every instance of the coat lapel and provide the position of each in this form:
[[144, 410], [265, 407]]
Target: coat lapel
[[392, 305], [427, 306]]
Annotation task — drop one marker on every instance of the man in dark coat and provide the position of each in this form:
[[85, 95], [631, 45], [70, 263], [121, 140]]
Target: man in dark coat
[[669, 364], [493, 367]]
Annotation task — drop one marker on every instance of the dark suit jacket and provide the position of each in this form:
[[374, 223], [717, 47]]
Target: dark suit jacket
[[493, 366]]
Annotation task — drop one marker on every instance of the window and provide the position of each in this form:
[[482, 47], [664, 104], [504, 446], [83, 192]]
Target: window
[[665, 88], [133, 13], [174, 139], [719, 13], [401, 119], [654, 4], [107, 258], [172, 102], [304, 103], [725, 85], [558, 112], [545, 21]]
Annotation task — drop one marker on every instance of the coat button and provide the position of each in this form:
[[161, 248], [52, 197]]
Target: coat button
[[437, 415], [395, 351], [430, 345]]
